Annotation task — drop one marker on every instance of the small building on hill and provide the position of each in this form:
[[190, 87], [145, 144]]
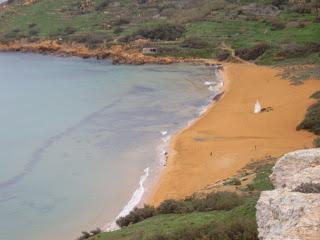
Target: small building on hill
[[149, 50]]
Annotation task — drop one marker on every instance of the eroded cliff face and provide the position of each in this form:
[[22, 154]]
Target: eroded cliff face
[[292, 210]]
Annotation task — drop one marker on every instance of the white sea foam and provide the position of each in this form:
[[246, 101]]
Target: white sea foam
[[134, 201], [208, 83], [163, 133]]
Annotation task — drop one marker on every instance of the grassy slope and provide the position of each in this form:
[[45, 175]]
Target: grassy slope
[[170, 223], [212, 21]]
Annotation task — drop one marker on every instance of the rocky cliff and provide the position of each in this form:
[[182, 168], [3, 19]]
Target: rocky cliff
[[292, 210]]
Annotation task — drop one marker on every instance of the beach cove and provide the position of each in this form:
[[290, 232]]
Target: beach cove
[[229, 135], [91, 137]]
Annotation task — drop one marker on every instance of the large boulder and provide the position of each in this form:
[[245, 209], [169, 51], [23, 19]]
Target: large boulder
[[297, 167], [285, 213]]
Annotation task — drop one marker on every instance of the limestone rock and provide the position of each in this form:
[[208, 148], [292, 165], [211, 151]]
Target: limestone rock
[[297, 167], [283, 215]]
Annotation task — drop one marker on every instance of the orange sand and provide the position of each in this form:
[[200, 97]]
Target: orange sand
[[234, 134]]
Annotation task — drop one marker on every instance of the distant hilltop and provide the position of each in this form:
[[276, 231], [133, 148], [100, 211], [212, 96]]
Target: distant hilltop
[[263, 31]]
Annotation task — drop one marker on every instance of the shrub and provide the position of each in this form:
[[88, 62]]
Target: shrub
[[250, 187], [233, 181], [311, 121], [279, 3], [161, 31], [276, 26], [315, 95], [223, 56], [173, 206], [308, 188], [69, 30], [121, 21], [194, 42], [87, 235], [91, 40], [33, 32], [118, 30], [102, 5], [236, 229], [136, 215], [316, 142], [217, 201], [32, 25], [252, 53]]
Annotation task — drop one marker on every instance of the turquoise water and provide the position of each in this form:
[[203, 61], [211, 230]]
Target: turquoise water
[[77, 136]]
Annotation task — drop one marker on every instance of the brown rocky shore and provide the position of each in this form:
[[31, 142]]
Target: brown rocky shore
[[119, 54]]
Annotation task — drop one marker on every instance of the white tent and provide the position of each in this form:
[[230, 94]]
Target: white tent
[[257, 107]]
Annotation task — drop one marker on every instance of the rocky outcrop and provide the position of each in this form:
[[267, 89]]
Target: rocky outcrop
[[296, 168], [284, 214]]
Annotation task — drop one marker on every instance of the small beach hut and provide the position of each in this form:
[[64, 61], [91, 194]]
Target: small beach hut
[[149, 50], [257, 107]]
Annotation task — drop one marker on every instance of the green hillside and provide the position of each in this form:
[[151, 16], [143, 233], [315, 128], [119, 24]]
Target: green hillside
[[216, 214], [266, 31]]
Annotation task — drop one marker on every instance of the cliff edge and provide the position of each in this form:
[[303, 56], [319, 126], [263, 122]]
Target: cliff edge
[[292, 210]]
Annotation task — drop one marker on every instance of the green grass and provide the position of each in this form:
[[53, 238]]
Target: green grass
[[213, 21], [171, 223], [262, 181]]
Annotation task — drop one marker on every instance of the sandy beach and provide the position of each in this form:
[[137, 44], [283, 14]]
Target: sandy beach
[[229, 135]]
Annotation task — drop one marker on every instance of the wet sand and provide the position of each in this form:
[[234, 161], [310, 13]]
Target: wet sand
[[234, 134]]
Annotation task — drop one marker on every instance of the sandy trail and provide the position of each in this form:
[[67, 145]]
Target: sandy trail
[[234, 134]]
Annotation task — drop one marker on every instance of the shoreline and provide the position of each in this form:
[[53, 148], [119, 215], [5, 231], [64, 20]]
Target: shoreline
[[147, 185], [227, 131], [119, 54], [179, 189]]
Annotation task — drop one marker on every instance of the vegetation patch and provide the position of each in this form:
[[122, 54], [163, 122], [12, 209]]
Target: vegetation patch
[[308, 188], [216, 215]]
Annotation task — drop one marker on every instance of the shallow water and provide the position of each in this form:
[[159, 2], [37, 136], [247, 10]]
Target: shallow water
[[76, 136]]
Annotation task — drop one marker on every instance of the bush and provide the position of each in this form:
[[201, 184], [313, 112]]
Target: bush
[[87, 235], [194, 42], [308, 188], [311, 121], [121, 21], [33, 32], [91, 40], [173, 206], [118, 30], [252, 53], [161, 31], [236, 229], [316, 95], [223, 56], [276, 26], [102, 5], [217, 201], [233, 181], [136, 215], [32, 25], [316, 142], [69, 30], [294, 50]]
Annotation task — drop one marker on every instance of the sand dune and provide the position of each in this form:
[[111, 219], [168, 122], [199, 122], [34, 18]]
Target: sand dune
[[234, 134]]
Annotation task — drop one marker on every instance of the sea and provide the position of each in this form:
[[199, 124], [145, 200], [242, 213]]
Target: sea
[[82, 141]]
